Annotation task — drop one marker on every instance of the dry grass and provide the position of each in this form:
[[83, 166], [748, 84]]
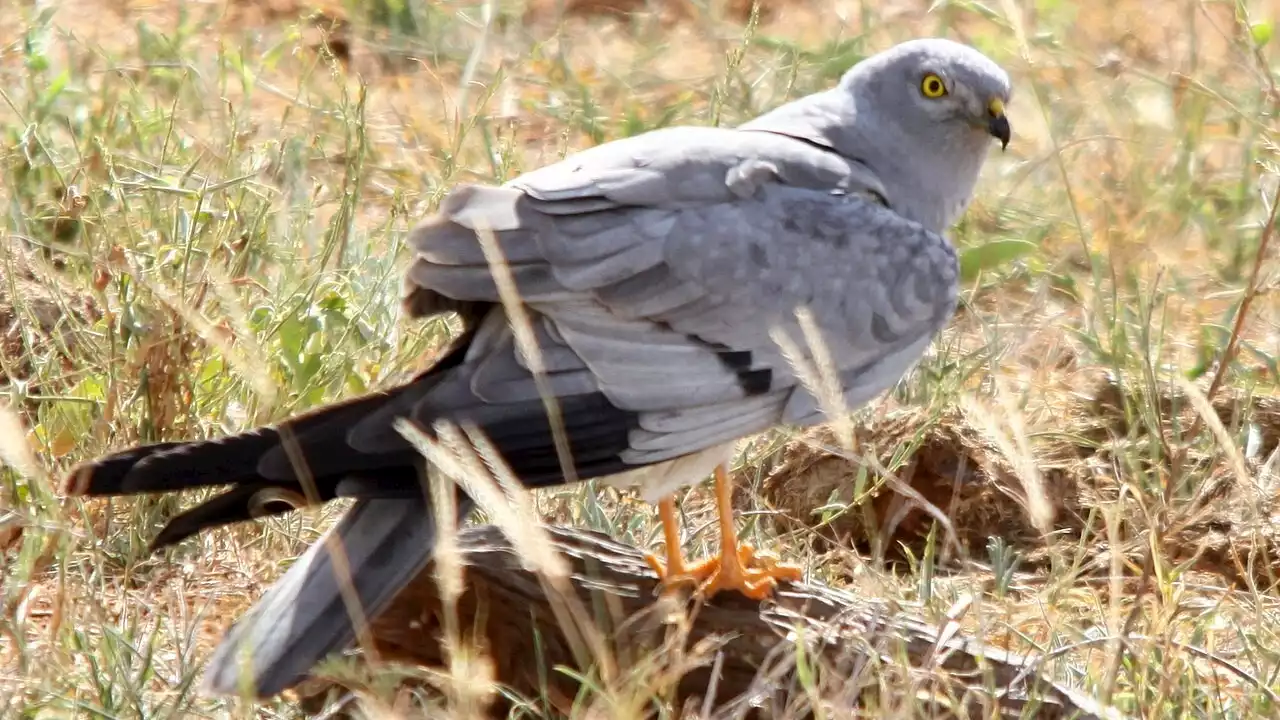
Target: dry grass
[[203, 208]]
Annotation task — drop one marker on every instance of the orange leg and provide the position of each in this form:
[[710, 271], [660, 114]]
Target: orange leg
[[735, 571], [675, 571], [733, 568]]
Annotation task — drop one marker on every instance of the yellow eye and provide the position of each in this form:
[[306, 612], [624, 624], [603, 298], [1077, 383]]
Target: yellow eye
[[932, 86]]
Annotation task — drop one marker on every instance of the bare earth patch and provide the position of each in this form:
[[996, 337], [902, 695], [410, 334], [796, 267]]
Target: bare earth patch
[[956, 466]]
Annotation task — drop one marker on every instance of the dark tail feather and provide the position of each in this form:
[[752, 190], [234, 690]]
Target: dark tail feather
[[106, 475], [262, 476], [242, 502], [257, 500], [303, 617], [255, 456], [166, 467]]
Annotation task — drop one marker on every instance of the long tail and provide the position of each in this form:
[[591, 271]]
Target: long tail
[[353, 449], [387, 537], [304, 616], [262, 476], [332, 470]]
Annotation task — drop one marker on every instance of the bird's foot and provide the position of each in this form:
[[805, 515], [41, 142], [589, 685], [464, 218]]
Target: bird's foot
[[675, 573], [754, 575]]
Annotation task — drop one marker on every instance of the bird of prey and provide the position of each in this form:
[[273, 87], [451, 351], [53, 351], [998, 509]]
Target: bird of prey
[[654, 271]]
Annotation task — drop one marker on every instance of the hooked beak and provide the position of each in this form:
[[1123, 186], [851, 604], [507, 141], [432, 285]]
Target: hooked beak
[[997, 123]]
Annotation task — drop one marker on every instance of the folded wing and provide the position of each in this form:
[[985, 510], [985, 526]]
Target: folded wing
[[663, 266]]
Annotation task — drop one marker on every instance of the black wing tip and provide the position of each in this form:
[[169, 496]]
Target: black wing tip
[[235, 677], [244, 503], [254, 691], [106, 475], [303, 619], [112, 473], [169, 536], [78, 482]]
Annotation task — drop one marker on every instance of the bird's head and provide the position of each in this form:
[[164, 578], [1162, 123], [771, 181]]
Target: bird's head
[[920, 116], [935, 89], [924, 116]]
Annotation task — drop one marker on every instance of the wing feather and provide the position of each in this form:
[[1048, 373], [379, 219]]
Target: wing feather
[[658, 266]]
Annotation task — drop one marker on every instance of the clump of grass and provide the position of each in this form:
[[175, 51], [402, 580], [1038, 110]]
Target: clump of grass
[[203, 226]]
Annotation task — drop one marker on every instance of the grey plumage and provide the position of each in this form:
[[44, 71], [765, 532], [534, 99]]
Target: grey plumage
[[278, 640], [654, 269], [727, 257]]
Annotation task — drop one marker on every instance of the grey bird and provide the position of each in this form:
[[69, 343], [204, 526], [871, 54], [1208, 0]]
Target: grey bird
[[655, 270]]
